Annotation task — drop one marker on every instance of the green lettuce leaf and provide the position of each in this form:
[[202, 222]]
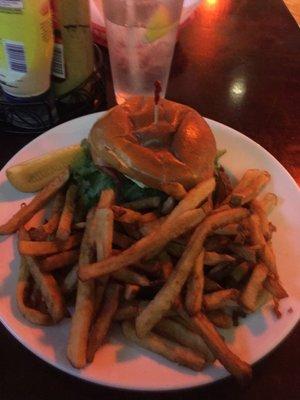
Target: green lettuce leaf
[[91, 181]]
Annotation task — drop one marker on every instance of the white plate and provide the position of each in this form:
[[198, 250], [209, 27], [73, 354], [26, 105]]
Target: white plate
[[119, 363]]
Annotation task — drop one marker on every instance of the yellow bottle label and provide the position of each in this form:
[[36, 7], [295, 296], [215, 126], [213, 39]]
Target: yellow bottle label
[[26, 46]]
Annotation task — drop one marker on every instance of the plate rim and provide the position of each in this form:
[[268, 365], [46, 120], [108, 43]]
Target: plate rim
[[73, 372]]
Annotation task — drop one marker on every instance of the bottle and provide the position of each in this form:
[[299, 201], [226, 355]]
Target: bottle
[[26, 47], [73, 60]]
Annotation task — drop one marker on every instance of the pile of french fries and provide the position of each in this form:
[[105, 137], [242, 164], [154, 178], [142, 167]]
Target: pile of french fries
[[169, 274]]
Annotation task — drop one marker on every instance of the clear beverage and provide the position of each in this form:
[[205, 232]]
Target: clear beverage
[[141, 38]]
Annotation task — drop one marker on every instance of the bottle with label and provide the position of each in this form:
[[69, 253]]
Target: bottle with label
[[73, 59], [26, 47]]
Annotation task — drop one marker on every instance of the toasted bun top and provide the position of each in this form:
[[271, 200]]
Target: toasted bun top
[[173, 155]]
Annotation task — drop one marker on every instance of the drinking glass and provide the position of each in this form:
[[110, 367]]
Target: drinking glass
[[141, 36]]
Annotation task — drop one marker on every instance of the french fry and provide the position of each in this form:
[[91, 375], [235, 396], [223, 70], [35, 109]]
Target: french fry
[[107, 199], [263, 297], [165, 347], [128, 216], [252, 182], [238, 368], [150, 226], [275, 308], [223, 186], [104, 319], [268, 202], [240, 239], [146, 247], [37, 234], [148, 217], [39, 201], [213, 258], [37, 249], [195, 285], [207, 207], [178, 309], [222, 207], [103, 226], [59, 260], [220, 319], [131, 309], [49, 289], [35, 298], [174, 189], [47, 285], [58, 204], [220, 299], [170, 291], [64, 227], [273, 286], [266, 253], [31, 314], [180, 334], [36, 220], [143, 204], [246, 181], [253, 287], [80, 325], [129, 276], [193, 198], [230, 230], [257, 209], [84, 306], [103, 232], [166, 296]]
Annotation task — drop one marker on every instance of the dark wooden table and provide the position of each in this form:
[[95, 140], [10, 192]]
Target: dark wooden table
[[238, 62]]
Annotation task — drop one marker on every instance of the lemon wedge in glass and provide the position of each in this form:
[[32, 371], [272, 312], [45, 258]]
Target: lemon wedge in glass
[[159, 24], [34, 174]]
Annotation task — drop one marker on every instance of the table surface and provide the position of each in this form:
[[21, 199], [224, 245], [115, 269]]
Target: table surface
[[237, 62]]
